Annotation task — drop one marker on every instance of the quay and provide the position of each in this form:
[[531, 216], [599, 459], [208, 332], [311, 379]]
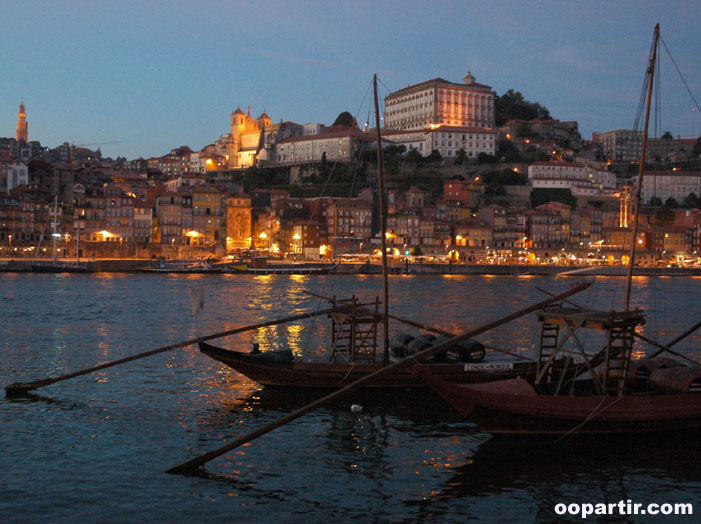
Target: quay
[[117, 265]]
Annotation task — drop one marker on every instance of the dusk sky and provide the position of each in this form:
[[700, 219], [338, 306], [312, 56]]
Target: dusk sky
[[157, 75]]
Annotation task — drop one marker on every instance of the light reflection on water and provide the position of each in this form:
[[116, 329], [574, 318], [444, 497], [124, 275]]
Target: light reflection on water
[[94, 448]]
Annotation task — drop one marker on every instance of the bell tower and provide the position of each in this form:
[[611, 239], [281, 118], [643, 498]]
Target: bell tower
[[22, 134]]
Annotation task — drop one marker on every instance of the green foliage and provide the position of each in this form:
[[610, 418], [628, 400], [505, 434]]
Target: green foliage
[[413, 157], [540, 196], [345, 119], [667, 136], [692, 202], [496, 180], [266, 177], [415, 252], [541, 156], [392, 152], [656, 201], [512, 105], [485, 158], [508, 151], [434, 158], [460, 156], [671, 202]]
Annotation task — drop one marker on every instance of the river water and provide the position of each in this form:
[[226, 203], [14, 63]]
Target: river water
[[95, 448]]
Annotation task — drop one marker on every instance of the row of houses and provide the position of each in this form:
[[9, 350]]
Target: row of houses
[[223, 219]]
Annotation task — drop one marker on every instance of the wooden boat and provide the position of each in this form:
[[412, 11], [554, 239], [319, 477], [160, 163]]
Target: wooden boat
[[618, 396], [354, 355], [182, 266], [60, 267], [286, 269], [279, 369]]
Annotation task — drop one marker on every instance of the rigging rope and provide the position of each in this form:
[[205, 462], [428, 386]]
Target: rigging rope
[[680, 73]]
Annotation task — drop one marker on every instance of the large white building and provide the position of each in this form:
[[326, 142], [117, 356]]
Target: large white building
[[580, 179], [334, 146], [675, 184], [439, 102], [447, 140]]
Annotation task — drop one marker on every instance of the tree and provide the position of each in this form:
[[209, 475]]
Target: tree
[[413, 157], [434, 157], [541, 196], [512, 105], [671, 202], [667, 136], [486, 158], [691, 201], [345, 119], [460, 156], [393, 151], [656, 201], [697, 147]]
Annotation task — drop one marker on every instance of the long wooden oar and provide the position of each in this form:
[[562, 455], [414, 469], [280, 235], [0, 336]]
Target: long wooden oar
[[192, 465], [22, 387], [667, 347]]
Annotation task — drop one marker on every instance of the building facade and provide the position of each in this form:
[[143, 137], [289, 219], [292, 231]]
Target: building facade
[[439, 102], [670, 184]]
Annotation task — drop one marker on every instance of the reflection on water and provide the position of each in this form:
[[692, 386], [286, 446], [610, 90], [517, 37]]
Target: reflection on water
[[94, 448]]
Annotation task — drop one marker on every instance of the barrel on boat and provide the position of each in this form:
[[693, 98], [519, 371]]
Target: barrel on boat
[[679, 380], [399, 343], [420, 343], [465, 351], [639, 370]]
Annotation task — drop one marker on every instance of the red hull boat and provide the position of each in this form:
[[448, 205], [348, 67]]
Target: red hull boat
[[514, 407]]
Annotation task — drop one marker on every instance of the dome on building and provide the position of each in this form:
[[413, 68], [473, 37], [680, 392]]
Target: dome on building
[[469, 79], [238, 111]]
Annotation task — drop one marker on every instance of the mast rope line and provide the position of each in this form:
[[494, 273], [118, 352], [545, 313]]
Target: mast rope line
[[664, 44]]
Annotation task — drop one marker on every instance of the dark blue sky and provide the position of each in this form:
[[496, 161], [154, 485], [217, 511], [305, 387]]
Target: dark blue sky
[[157, 75]]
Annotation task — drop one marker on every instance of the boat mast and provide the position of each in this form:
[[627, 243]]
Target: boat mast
[[54, 225], [651, 76], [383, 222]]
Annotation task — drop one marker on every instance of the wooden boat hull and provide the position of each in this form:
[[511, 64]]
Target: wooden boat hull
[[278, 373], [513, 407], [287, 270], [58, 268], [179, 270]]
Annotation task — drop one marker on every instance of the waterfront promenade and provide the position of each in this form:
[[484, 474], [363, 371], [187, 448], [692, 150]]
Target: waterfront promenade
[[107, 265]]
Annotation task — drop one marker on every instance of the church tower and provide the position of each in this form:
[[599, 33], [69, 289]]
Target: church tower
[[22, 134]]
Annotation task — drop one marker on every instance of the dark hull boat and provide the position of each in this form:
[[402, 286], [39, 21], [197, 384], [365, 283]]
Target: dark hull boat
[[279, 369], [291, 269], [60, 267]]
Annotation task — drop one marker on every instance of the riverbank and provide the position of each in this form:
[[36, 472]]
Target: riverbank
[[135, 265]]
